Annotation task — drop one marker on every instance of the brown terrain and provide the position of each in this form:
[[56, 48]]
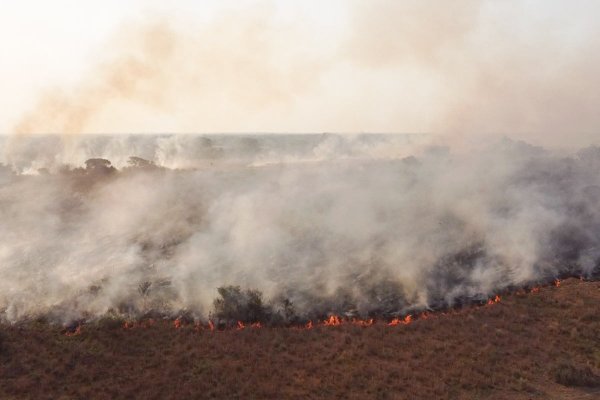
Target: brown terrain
[[541, 344]]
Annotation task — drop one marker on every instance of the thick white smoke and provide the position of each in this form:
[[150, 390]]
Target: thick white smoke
[[372, 224]]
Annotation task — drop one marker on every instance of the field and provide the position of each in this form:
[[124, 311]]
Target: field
[[540, 345]]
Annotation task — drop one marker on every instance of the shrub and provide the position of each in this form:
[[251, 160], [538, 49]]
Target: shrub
[[569, 375], [110, 322], [233, 304]]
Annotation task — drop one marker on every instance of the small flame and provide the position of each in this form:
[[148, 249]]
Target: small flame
[[333, 320], [76, 332], [363, 322], [397, 321]]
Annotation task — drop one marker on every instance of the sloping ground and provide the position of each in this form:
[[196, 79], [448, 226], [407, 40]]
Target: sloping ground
[[543, 345]]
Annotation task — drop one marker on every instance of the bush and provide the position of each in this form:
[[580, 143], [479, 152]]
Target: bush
[[570, 375], [233, 304], [110, 322]]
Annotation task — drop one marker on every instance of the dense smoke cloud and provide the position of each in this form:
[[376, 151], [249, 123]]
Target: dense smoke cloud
[[368, 224], [332, 223]]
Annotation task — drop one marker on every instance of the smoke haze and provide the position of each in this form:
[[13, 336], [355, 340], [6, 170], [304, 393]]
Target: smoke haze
[[373, 224], [469, 68], [504, 192]]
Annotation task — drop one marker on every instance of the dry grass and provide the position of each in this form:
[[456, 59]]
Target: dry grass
[[521, 348]]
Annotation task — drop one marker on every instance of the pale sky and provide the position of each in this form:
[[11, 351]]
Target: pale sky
[[297, 66], [47, 44]]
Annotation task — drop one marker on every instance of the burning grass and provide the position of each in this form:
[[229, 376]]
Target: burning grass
[[526, 346]]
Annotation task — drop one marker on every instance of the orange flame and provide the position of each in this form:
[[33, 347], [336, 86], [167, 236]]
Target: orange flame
[[397, 321], [333, 320]]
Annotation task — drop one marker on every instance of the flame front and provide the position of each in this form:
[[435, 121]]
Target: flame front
[[397, 321], [333, 320]]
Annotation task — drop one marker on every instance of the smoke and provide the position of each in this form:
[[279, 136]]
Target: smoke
[[174, 75], [523, 69], [460, 70], [369, 224], [331, 223]]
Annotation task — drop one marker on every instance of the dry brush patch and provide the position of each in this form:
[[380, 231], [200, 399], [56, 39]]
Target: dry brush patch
[[530, 345]]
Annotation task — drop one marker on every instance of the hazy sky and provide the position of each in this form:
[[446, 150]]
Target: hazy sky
[[203, 66]]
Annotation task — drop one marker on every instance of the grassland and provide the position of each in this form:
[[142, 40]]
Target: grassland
[[543, 345]]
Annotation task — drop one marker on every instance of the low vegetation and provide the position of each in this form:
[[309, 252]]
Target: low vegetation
[[541, 345], [571, 375]]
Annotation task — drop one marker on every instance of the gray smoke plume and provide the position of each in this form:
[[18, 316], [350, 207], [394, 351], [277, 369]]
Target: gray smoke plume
[[366, 224]]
